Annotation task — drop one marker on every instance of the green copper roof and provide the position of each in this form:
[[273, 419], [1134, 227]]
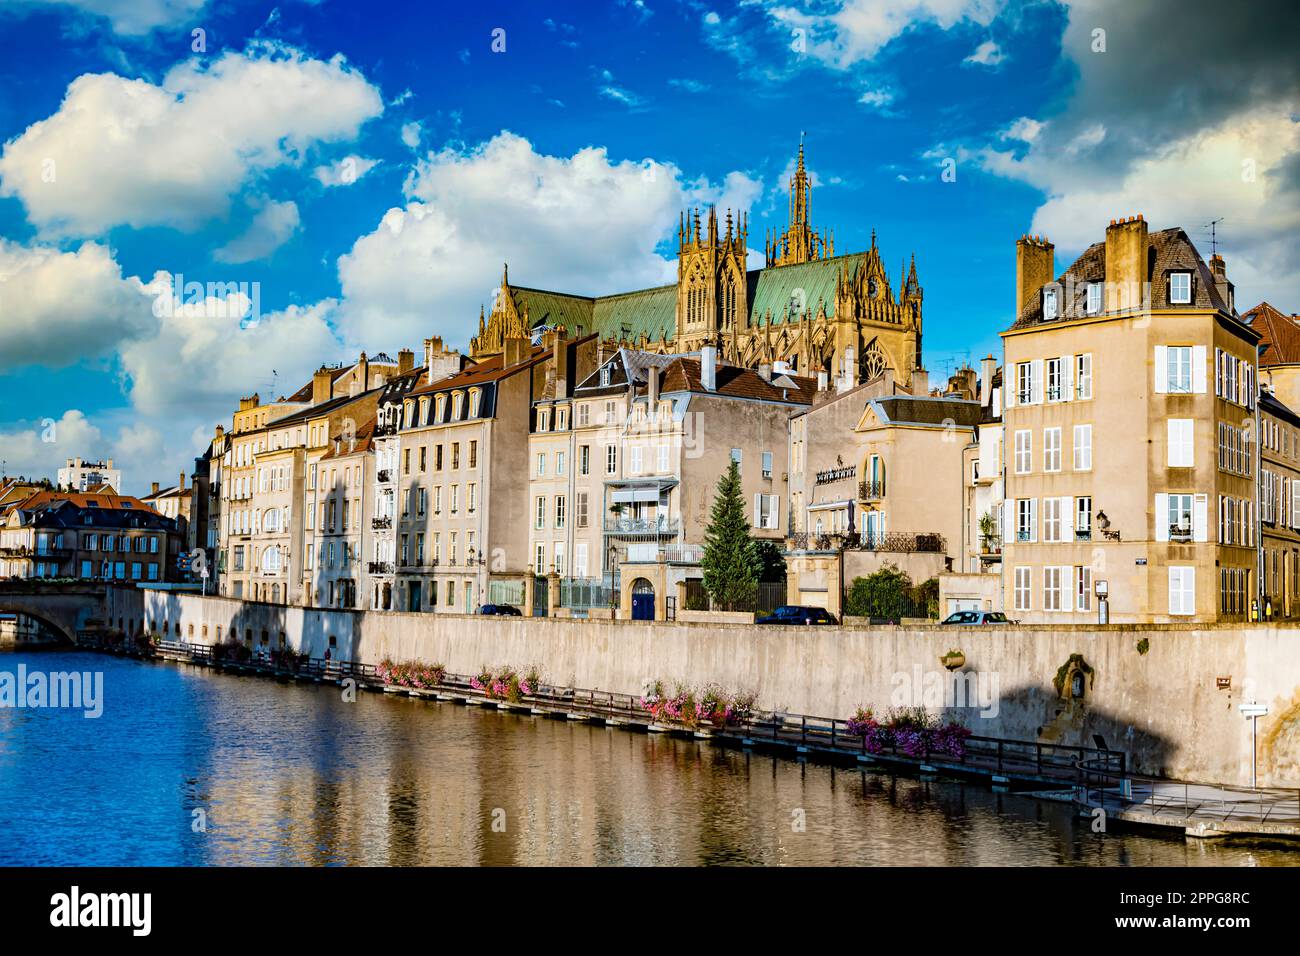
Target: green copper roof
[[773, 289], [649, 311], [555, 308]]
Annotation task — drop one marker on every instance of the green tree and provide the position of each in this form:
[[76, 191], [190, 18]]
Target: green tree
[[881, 594], [771, 559], [731, 560]]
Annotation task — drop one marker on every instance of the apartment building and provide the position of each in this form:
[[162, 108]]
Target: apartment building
[[623, 476], [338, 503], [90, 536], [270, 485], [1129, 421], [461, 488], [82, 474]]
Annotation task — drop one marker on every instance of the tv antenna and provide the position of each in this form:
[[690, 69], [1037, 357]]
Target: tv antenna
[[1214, 239]]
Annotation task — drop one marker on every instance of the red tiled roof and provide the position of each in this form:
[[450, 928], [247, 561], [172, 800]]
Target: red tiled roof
[[734, 382], [488, 370], [365, 441], [47, 499], [1279, 334]]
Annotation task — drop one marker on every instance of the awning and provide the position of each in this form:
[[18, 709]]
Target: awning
[[830, 505], [635, 494]]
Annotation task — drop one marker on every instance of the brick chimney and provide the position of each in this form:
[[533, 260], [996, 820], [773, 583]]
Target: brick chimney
[[560, 362], [363, 372], [322, 385], [652, 388], [1126, 264], [920, 382], [405, 361], [1219, 268], [988, 368], [153, 488], [516, 350], [1035, 268], [709, 368]]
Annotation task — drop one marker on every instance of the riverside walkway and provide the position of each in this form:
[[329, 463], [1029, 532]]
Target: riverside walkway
[[1088, 776]]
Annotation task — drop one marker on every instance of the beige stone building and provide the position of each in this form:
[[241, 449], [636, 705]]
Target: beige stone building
[[338, 504], [1129, 422], [623, 475]]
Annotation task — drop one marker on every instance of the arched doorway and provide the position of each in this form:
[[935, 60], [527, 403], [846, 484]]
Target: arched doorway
[[643, 600]]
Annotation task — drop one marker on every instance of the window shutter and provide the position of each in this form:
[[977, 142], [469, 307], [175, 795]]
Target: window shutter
[[1175, 591], [1067, 519], [1036, 382], [1067, 588], [1162, 370], [1198, 369], [1067, 378], [758, 511], [1033, 519], [1200, 518], [1162, 517], [775, 520]]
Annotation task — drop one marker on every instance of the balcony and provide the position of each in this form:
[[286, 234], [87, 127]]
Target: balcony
[[381, 522], [384, 475], [872, 490], [898, 542], [379, 567], [1082, 534], [651, 553], [1180, 532], [660, 525]]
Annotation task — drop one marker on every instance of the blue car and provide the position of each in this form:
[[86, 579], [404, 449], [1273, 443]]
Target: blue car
[[796, 614]]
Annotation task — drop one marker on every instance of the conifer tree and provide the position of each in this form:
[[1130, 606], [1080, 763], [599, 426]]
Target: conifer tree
[[731, 560]]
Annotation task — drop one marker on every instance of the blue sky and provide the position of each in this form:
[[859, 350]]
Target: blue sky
[[370, 168]]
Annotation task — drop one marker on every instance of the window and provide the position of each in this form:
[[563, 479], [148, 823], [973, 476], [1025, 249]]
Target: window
[[559, 463], [1022, 590], [765, 510], [1024, 383], [1049, 305], [472, 497], [767, 464], [1051, 449], [1182, 590], [1180, 291], [662, 464], [1055, 379], [1024, 451], [1052, 510], [735, 456], [1179, 515], [455, 454], [1083, 376], [634, 462], [1083, 518], [539, 558], [539, 519], [559, 512], [1026, 519], [1052, 589], [1179, 365], [1082, 448], [1094, 298], [611, 459], [584, 458], [541, 464], [582, 509], [473, 453], [455, 498], [1083, 588], [1180, 443]]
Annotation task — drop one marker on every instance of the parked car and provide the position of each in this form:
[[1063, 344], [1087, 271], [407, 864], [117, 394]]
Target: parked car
[[977, 617], [795, 614], [508, 610]]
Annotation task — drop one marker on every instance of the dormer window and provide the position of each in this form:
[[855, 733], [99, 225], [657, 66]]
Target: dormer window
[[605, 375], [457, 403], [474, 396], [1180, 288], [1049, 305], [439, 402], [1094, 298]]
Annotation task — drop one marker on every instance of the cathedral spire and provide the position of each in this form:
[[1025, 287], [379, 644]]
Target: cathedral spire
[[800, 242]]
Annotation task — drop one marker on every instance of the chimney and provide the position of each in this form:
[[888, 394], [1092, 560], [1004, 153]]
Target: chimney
[[405, 361], [848, 371], [153, 488], [822, 380], [1126, 264], [180, 485], [363, 372], [709, 368], [1035, 268], [765, 372], [988, 367], [560, 362], [920, 382], [220, 431], [652, 389], [322, 384], [1219, 268], [516, 350]]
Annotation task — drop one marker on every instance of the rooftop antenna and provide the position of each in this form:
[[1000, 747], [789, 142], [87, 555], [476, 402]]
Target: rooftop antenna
[[1214, 240]]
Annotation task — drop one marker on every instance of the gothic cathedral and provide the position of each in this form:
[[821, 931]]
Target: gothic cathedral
[[807, 307]]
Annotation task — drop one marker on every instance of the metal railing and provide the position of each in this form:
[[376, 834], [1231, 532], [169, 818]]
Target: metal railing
[[871, 490], [660, 525], [381, 522], [379, 567]]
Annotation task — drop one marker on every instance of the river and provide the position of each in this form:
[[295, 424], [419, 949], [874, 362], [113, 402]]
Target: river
[[190, 767]]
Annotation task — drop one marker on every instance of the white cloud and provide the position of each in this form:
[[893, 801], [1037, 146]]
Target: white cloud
[[1025, 129], [128, 17], [272, 226], [37, 447], [345, 171], [411, 133], [61, 307], [987, 53], [856, 30], [121, 151], [877, 99], [580, 223]]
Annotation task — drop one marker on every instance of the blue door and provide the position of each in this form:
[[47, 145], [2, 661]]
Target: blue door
[[643, 601]]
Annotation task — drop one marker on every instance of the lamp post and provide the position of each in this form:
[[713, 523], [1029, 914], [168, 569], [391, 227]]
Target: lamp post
[[613, 557]]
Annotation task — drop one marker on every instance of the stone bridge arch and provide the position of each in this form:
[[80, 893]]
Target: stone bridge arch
[[69, 609]]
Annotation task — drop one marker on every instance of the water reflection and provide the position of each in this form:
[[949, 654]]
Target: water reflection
[[293, 774]]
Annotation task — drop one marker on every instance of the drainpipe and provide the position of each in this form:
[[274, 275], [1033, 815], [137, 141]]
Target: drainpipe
[[1257, 522]]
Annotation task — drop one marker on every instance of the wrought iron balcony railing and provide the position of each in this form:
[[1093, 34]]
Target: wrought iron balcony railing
[[871, 489], [380, 522]]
